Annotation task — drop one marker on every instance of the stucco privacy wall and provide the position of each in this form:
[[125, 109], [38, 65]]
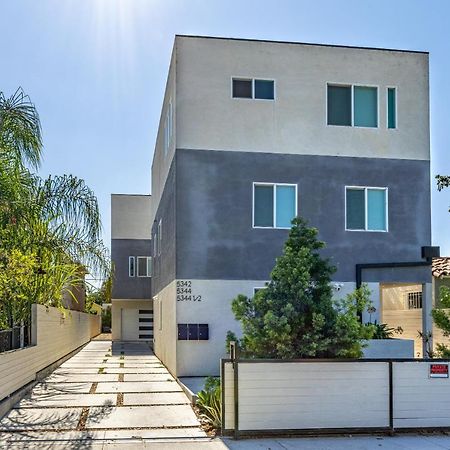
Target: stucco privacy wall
[[116, 317], [200, 358], [296, 121], [56, 336], [165, 327], [313, 395], [215, 238]]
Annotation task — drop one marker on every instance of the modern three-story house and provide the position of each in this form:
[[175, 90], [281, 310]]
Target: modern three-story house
[[254, 133]]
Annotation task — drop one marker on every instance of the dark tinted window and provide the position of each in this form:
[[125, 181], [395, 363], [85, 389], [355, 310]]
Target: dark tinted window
[[203, 332], [263, 212], [356, 209], [193, 331], [339, 105], [242, 88], [264, 89]]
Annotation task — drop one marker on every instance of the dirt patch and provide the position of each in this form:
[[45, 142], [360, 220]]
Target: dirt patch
[[119, 399], [93, 388], [121, 377]]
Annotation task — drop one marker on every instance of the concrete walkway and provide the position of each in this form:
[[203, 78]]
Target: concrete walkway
[[106, 393]]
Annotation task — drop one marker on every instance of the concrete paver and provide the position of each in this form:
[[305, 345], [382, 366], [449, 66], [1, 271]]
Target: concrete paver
[[134, 399], [68, 400], [147, 377], [77, 377], [41, 418], [155, 398], [178, 416], [139, 386]]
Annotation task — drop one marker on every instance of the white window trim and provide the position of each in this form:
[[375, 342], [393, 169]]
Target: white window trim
[[253, 88], [131, 259], [366, 188], [147, 258], [260, 287], [396, 108], [159, 237], [352, 88], [263, 183]]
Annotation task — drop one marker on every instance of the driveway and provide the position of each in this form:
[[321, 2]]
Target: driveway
[[108, 392]]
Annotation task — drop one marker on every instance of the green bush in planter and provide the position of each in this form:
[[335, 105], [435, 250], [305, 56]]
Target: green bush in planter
[[209, 402]]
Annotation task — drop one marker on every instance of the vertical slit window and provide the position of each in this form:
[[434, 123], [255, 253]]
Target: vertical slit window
[[131, 266], [392, 108]]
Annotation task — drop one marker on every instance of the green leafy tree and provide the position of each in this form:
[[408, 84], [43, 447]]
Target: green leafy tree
[[441, 317], [443, 181], [54, 221], [296, 316]]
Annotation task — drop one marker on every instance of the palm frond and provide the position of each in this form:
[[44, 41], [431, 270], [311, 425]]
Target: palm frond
[[20, 130]]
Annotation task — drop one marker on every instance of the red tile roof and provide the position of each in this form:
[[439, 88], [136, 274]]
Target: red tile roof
[[441, 267]]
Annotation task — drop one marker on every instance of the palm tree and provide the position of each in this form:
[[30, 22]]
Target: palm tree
[[54, 221]]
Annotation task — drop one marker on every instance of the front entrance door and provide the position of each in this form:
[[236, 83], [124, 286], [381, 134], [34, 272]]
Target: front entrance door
[[130, 324]]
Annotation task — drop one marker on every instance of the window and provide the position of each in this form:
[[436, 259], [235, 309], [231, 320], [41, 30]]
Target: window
[[415, 300], [144, 266], [131, 266], [159, 237], [366, 209], [352, 106], [264, 89], [253, 89], [242, 88], [339, 105], [274, 205], [392, 108], [168, 125]]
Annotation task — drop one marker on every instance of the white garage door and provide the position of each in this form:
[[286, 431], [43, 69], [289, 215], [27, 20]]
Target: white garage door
[[130, 324]]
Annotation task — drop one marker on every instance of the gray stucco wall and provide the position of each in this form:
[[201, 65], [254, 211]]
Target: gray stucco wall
[[215, 239], [164, 264], [123, 285]]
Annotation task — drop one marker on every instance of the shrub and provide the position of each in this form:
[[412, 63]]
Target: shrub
[[209, 402]]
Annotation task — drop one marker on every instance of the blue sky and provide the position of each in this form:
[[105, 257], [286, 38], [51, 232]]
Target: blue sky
[[96, 70]]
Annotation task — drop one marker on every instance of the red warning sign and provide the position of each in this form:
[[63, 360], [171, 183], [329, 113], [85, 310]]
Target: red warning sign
[[438, 370]]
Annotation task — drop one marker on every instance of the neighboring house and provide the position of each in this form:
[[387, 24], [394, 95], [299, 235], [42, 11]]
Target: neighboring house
[[253, 133], [132, 305]]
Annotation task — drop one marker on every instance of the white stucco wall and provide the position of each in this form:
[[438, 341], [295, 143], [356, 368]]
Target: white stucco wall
[[130, 216], [208, 118], [200, 358], [165, 327]]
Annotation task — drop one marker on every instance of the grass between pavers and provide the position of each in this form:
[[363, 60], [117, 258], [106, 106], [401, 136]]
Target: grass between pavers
[[120, 377], [101, 370], [119, 399], [93, 388]]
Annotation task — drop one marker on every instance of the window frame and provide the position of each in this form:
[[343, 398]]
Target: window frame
[[352, 105], [265, 183], [130, 259], [366, 209], [148, 273], [396, 107], [253, 79]]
